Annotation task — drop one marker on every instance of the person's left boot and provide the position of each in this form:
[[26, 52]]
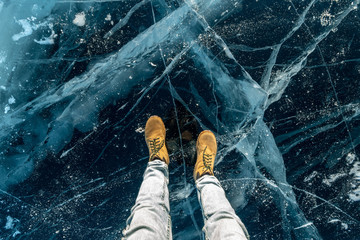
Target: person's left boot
[[155, 134]]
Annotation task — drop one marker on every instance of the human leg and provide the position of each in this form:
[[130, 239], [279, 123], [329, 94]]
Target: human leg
[[150, 217], [220, 219]]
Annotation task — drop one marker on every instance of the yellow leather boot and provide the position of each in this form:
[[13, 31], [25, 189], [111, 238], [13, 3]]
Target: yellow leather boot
[[155, 134], [206, 149]]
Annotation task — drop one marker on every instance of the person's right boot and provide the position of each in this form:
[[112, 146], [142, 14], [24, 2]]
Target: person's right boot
[[206, 149]]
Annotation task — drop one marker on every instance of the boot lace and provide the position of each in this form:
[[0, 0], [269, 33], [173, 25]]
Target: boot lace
[[155, 146], [207, 161]]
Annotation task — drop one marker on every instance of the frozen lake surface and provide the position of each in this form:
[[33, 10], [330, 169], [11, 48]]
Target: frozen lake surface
[[277, 81]]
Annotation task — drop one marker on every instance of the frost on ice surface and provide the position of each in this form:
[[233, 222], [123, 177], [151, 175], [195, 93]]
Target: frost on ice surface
[[2, 57], [9, 223], [140, 130], [108, 17], [326, 18], [7, 109], [276, 81], [30, 25], [27, 29], [48, 40], [80, 19], [354, 194], [11, 100]]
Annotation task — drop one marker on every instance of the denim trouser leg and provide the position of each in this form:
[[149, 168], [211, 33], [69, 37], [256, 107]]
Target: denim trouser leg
[[220, 219], [150, 217]]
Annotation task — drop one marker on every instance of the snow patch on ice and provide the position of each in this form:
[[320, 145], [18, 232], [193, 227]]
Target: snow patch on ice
[[326, 19], [28, 29], [140, 130], [108, 17], [9, 223], [2, 57], [11, 100], [1, 5], [6, 109], [48, 40], [354, 194], [311, 176], [350, 157], [80, 19], [29, 26], [332, 178], [344, 226]]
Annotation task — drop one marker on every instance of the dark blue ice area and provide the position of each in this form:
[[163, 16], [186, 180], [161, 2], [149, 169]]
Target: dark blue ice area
[[277, 81]]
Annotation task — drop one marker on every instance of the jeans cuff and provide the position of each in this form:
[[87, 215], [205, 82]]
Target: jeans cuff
[[159, 166]]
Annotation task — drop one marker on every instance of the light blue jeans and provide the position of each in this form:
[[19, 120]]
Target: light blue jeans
[[150, 218]]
